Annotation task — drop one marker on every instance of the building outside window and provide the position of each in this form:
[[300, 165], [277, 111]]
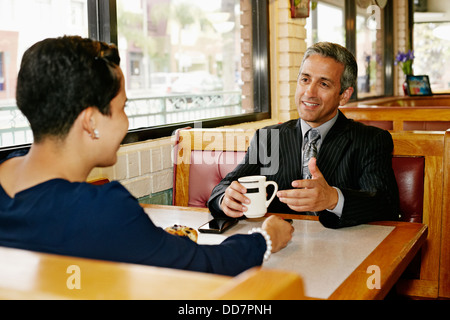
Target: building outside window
[[183, 59], [23, 23]]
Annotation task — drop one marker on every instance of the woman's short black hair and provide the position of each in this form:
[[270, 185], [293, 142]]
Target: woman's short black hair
[[61, 77]]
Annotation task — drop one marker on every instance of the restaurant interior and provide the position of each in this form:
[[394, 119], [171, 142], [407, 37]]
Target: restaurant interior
[[224, 69]]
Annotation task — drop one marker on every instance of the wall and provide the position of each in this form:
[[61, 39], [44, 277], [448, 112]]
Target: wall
[[146, 168], [289, 37]]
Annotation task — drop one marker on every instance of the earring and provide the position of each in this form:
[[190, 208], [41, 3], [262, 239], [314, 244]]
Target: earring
[[96, 134]]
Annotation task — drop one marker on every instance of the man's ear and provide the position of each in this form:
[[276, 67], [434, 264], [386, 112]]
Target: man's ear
[[345, 96]]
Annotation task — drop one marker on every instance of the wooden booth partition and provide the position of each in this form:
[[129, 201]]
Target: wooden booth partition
[[401, 118], [429, 145], [27, 275], [444, 276], [430, 113]]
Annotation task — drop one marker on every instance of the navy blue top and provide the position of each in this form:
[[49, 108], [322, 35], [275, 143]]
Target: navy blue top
[[106, 222]]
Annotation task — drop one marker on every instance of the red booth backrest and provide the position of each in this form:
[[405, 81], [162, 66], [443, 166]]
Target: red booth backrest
[[409, 173], [208, 168]]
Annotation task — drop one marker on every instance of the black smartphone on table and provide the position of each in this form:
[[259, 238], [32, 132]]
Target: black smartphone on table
[[218, 225]]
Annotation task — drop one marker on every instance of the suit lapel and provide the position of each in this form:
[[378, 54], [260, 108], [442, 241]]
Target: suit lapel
[[292, 151], [334, 146]]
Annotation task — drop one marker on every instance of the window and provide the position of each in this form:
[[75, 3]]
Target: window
[[370, 50], [327, 21], [360, 26], [194, 49], [23, 23], [184, 60], [187, 60], [432, 57]]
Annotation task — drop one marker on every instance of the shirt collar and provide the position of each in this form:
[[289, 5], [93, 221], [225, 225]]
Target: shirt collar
[[323, 128]]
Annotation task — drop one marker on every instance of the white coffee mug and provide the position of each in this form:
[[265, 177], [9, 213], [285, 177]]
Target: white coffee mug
[[256, 192]]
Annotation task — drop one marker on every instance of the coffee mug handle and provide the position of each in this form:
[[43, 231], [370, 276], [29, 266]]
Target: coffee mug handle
[[274, 191]]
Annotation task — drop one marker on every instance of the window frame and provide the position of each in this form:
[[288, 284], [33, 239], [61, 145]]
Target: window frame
[[102, 24]]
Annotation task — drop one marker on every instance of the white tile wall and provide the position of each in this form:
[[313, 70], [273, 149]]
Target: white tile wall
[[143, 168]]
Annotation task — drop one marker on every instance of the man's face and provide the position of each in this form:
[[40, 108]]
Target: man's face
[[318, 90]]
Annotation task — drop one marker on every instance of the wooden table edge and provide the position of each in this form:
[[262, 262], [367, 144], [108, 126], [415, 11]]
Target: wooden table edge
[[355, 286]]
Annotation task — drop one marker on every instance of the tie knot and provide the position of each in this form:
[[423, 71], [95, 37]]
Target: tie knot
[[313, 135]]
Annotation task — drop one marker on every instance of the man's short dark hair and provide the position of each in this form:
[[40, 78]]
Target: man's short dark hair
[[339, 54]]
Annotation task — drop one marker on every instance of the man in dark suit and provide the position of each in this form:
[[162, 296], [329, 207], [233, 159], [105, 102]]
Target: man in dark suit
[[348, 181]]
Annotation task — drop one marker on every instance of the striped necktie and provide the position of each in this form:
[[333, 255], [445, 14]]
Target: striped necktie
[[311, 138]]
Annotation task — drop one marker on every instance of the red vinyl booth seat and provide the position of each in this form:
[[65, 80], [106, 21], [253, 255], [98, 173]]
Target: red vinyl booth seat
[[208, 168]]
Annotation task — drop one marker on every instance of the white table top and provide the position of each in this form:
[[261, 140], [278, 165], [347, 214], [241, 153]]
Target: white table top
[[323, 257]]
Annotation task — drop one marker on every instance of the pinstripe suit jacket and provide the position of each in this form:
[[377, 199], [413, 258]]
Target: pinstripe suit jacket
[[353, 157]]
